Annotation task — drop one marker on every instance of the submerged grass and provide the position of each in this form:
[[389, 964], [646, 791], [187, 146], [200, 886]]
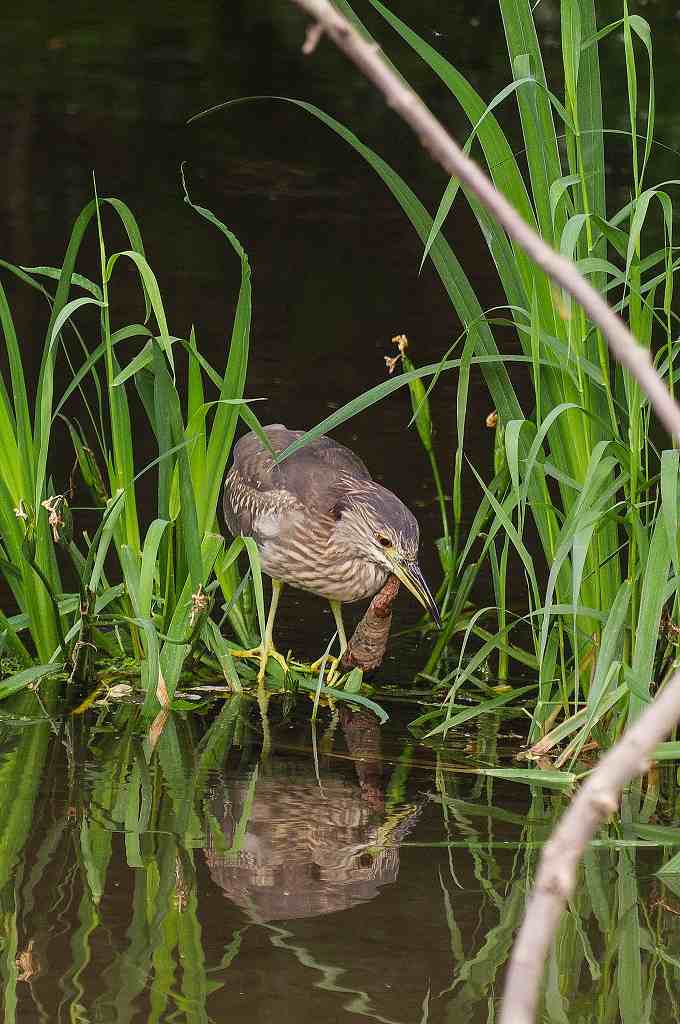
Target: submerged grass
[[581, 472]]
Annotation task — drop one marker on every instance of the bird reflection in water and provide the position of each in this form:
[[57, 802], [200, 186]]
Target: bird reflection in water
[[311, 846]]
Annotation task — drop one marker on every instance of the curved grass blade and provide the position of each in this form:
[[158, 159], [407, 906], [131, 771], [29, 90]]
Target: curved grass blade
[[233, 383], [343, 695], [480, 709], [448, 267], [27, 677]]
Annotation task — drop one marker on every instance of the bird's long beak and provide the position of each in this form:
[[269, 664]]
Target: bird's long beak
[[410, 575]]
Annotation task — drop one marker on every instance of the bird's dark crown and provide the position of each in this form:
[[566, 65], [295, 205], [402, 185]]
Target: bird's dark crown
[[387, 514]]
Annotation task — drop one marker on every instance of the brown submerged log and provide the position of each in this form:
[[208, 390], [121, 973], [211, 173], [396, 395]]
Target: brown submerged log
[[366, 649]]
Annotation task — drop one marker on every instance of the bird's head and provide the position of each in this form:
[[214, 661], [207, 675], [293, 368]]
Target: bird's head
[[383, 530]]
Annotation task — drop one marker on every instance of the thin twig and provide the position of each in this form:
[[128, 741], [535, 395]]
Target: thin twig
[[314, 33], [598, 798], [435, 138]]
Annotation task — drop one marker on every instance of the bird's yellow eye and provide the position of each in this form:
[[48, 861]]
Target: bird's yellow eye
[[385, 541]]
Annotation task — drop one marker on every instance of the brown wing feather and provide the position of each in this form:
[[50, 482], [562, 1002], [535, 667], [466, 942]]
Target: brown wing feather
[[307, 475], [315, 477]]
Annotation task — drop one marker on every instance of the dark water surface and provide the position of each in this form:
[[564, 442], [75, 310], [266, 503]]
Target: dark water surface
[[360, 875], [179, 878], [175, 876]]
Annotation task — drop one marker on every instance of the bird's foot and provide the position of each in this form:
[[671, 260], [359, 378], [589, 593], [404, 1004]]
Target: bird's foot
[[331, 665], [262, 653]]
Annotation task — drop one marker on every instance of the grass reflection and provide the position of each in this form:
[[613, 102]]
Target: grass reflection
[[615, 957], [183, 877]]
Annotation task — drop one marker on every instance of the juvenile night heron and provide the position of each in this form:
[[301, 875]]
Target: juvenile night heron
[[321, 523]]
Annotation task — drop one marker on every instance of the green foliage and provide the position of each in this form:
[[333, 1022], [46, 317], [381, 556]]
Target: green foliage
[[157, 613], [580, 471], [582, 466], [146, 589]]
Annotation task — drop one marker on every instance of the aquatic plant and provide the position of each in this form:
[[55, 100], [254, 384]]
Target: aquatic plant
[[144, 609], [145, 585], [584, 466], [581, 472]]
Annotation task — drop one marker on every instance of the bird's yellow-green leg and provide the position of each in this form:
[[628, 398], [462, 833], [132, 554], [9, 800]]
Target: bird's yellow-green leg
[[336, 608], [333, 663], [266, 649]]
